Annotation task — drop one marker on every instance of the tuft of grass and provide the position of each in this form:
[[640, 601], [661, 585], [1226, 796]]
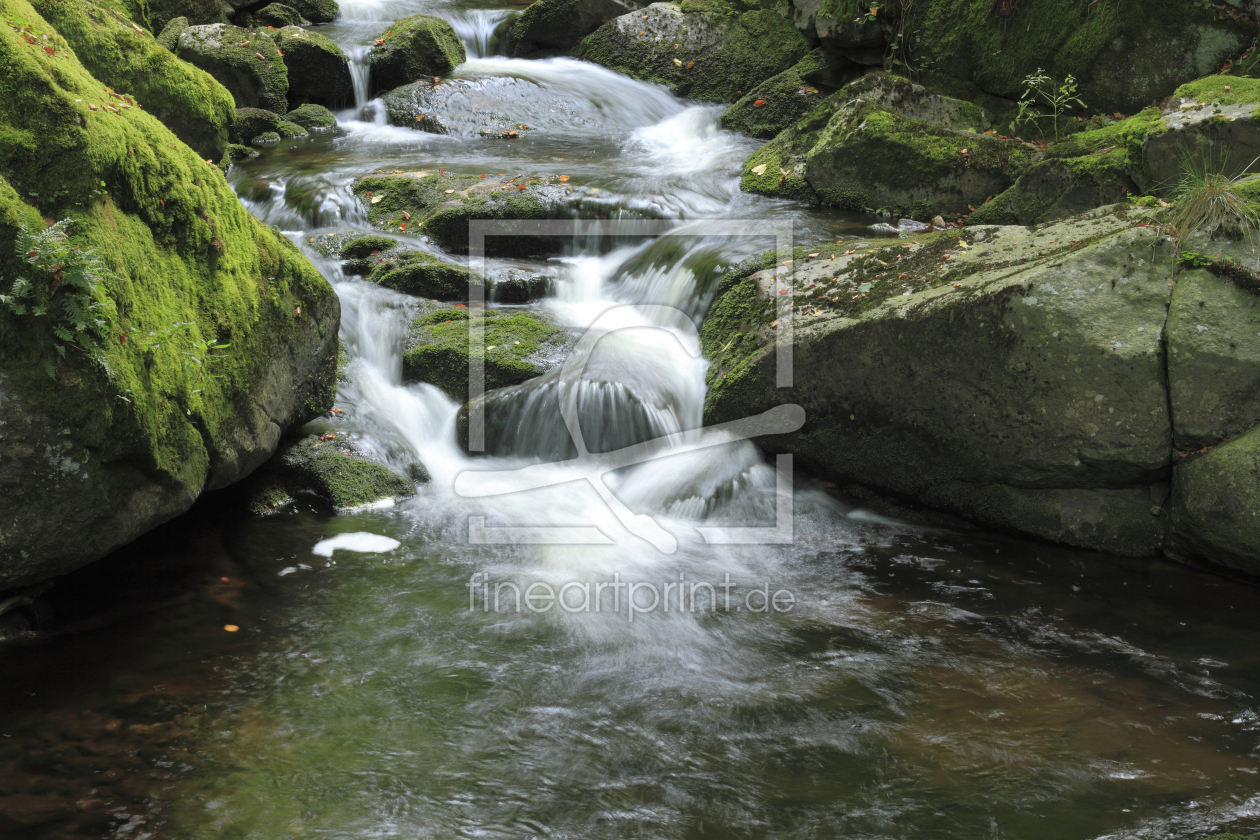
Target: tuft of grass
[[1207, 200]]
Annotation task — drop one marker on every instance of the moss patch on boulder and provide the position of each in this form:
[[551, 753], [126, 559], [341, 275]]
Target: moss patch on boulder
[[317, 11], [708, 51], [278, 15], [255, 124], [424, 275], [777, 103], [144, 442], [117, 52], [319, 72], [441, 205], [1216, 504], [552, 26], [437, 349], [416, 46], [312, 117], [245, 61], [328, 468]]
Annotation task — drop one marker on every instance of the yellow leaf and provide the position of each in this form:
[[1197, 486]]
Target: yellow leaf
[[759, 169]]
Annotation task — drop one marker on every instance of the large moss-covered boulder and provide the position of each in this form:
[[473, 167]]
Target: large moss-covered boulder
[[701, 50], [1017, 381], [245, 61], [516, 346], [251, 123], [158, 13], [316, 11], [168, 38], [1216, 504], [416, 46], [552, 26], [440, 205], [120, 54], [278, 15], [1124, 54], [327, 467], [883, 142], [97, 455], [319, 72]]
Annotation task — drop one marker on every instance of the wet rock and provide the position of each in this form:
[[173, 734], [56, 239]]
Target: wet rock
[[133, 446], [198, 12], [441, 205], [1215, 505], [1017, 382], [278, 15], [778, 102], [253, 123], [412, 48], [319, 72], [459, 107], [236, 151], [553, 26], [700, 50], [886, 143], [312, 117], [516, 347], [328, 468], [245, 61], [516, 288], [424, 275], [187, 100], [317, 11]]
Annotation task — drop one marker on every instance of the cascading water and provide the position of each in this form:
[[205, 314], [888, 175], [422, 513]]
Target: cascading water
[[867, 680]]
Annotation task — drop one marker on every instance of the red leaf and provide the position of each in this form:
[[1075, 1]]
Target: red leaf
[[757, 103]]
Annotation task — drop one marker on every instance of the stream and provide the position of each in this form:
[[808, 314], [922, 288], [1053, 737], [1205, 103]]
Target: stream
[[868, 679]]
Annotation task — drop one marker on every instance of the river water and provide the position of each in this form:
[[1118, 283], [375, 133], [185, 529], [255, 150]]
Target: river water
[[869, 679]]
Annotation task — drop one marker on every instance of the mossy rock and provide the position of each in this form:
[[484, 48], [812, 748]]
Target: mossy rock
[[138, 445], [1016, 380], [317, 11], [1125, 55], [777, 103], [156, 14], [1215, 135], [278, 15], [700, 51], [441, 205], [424, 275], [118, 53], [416, 46], [553, 26], [169, 36], [518, 289], [235, 151], [266, 138], [1215, 504], [245, 61], [437, 349], [327, 467], [319, 72], [454, 106], [251, 124], [312, 117], [361, 246]]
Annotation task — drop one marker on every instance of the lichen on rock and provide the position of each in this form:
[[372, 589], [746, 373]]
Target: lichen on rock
[[327, 468]]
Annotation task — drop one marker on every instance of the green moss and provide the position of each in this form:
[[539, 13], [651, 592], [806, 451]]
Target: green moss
[[778, 168], [438, 349], [784, 99], [253, 124], [312, 117], [278, 15], [317, 11], [721, 55], [171, 32], [1212, 89], [121, 55], [246, 61], [320, 465], [547, 25], [423, 275], [415, 46], [158, 13], [442, 204], [364, 246], [182, 249]]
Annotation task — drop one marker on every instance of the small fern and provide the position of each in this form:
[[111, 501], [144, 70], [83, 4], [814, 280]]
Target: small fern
[[65, 285]]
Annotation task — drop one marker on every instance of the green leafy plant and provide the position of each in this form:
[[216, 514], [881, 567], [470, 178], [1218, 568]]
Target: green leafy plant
[[196, 352], [65, 287], [1041, 91], [1207, 200]]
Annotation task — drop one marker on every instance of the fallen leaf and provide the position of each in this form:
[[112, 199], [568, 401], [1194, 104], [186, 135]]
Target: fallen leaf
[[677, 63], [231, 628], [298, 310], [757, 103], [774, 323], [448, 192], [407, 216], [564, 178], [760, 169], [244, 43], [260, 56], [690, 64], [403, 226], [811, 255], [783, 291]]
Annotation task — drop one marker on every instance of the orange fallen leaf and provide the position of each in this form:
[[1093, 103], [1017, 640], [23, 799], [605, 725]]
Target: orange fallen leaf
[[521, 186], [403, 226], [757, 103], [244, 43], [448, 192], [231, 628], [406, 216], [564, 178], [261, 57], [460, 306]]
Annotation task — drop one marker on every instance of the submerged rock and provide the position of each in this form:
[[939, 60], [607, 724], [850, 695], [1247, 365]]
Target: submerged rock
[[553, 26], [700, 50], [196, 108], [245, 61], [327, 468], [516, 347], [103, 452], [319, 72], [440, 205], [413, 47]]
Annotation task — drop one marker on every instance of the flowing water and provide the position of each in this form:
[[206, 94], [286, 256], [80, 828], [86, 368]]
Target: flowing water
[[868, 679]]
